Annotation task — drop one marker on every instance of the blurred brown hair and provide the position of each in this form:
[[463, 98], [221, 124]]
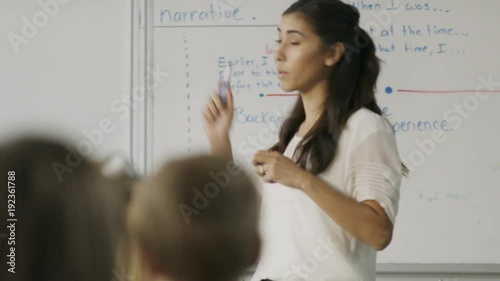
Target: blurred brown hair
[[197, 219], [68, 223]]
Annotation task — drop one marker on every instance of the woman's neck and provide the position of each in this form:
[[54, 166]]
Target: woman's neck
[[313, 102]]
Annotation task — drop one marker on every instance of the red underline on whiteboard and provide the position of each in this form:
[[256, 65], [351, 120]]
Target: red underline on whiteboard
[[222, 26], [445, 92], [282, 95]]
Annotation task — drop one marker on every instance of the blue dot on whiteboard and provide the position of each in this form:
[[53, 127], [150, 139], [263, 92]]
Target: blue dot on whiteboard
[[261, 95], [388, 90], [254, 18]]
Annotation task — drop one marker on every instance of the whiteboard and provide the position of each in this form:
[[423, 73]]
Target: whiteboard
[[439, 87], [69, 75]]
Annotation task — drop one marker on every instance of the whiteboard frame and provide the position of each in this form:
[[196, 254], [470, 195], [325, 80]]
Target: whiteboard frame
[[142, 63], [439, 269]]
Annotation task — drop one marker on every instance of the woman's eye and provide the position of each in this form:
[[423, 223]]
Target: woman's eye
[[278, 41], [295, 43]]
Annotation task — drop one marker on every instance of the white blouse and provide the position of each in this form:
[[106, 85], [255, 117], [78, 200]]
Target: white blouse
[[300, 241]]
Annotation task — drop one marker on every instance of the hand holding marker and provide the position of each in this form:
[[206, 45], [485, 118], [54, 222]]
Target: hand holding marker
[[224, 84]]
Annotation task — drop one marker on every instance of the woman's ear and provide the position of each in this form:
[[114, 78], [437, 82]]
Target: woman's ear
[[334, 53]]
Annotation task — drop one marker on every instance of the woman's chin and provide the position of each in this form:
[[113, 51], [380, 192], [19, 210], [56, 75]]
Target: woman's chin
[[287, 88]]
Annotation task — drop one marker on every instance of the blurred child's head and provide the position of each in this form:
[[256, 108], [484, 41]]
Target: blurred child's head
[[197, 219], [68, 218]]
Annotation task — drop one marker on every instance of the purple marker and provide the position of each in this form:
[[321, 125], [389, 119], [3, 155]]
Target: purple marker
[[225, 83]]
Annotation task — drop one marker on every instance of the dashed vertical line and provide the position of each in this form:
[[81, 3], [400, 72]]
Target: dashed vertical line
[[188, 91]]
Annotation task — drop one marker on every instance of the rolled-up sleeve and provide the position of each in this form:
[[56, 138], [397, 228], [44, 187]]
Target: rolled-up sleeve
[[374, 169]]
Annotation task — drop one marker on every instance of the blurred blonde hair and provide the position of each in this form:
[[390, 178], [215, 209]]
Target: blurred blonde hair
[[197, 219]]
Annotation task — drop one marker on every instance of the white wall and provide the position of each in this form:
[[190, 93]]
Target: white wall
[[63, 65]]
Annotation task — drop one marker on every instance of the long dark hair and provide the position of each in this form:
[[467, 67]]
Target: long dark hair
[[351, 83]]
